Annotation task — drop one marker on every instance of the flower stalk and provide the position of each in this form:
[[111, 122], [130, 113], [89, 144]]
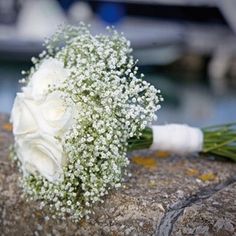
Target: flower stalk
[[219, 140], [144, 142]]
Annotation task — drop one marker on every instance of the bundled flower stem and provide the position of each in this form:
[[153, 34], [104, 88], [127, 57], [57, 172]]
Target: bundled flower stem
[[219, 140], [143, 142]]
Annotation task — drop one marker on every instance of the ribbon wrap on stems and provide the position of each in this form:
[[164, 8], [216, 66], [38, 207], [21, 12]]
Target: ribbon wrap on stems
[[218, 140], [177, 138]]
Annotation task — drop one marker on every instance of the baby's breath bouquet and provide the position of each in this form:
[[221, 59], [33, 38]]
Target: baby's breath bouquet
[[81, 103], [82, 107]]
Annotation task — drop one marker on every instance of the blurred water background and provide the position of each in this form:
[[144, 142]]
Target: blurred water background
[[185, 47]]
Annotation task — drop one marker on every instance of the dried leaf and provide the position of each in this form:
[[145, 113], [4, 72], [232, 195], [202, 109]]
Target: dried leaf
[[207, 177], [7, 127], [152, 183], [162, 154], [146, 162], [192, 172]]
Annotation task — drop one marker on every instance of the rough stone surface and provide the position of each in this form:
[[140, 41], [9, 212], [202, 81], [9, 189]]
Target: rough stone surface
[[215, 216], [169, 186]]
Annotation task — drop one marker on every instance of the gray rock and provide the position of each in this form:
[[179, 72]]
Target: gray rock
[[138, 208], [207, 218]]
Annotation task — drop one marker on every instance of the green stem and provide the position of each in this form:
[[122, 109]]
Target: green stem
[[143, 142], [220, 140], [219, 126], [216, 146]]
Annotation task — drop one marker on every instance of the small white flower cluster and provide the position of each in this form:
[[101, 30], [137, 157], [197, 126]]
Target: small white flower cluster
[[111, 103]]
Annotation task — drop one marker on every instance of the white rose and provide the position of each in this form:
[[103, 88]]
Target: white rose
[[50, 72], [55, 117], [22, 116], [50, 115], [41, 154]]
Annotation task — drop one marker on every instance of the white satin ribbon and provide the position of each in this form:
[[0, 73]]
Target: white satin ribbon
[[176, 138]]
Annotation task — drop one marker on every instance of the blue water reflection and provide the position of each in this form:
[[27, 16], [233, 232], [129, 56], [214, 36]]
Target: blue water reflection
[[191, 103]]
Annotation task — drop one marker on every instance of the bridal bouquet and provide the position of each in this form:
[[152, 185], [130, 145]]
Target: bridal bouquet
[[82, 107]]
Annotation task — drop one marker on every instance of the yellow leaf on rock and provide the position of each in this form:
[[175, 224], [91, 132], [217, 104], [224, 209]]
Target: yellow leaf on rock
[[207, 177], [162, 154], [192, 172], [152, 183], [82, 222], [146, 162], [7, 127]]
